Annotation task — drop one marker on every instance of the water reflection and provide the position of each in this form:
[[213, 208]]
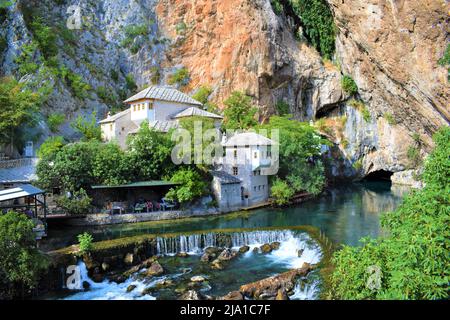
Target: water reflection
[[344, 214]]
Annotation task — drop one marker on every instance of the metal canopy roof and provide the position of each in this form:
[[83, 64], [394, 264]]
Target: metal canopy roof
[[139, 185], [26, 190]]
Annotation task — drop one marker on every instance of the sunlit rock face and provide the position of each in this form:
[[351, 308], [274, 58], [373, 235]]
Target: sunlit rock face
[[243, 45], [391, 49]]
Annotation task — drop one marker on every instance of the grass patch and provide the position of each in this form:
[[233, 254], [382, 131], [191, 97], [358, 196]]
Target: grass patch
[[390, 118], [180, 77], [55, 120]]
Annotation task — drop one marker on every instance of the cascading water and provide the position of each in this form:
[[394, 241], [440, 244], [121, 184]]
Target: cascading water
[[251, 265], [195, 243]]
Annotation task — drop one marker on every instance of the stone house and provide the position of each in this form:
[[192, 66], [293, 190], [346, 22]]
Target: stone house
[[248, 159], [161, 107]]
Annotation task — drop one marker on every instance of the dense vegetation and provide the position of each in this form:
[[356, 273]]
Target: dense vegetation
[[299, 151], [240, 112], [317, 22], [18, 106], [413, 258], [21, 264]]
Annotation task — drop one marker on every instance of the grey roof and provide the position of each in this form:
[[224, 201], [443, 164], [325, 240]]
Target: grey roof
[[23, 174], [196, 112], [26, 190], [141, 184], [116, 116], [225, 178], [248, 139], [164, 94], [164, 126]]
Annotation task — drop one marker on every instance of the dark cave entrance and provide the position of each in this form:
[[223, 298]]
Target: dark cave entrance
[[379, 175]]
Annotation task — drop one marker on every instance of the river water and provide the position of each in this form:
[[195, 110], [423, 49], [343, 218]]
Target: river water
[[342, 215]]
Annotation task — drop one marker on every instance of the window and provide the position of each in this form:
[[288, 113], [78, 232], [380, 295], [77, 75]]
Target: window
[[255, 155], [111, 127], [235, 154], [259, 188], [150, 105], [123, 128], [134, 107], [254, 188], [257, 172], [235, 171]]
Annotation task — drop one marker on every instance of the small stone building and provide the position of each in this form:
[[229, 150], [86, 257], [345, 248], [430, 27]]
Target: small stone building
[[227, 190]]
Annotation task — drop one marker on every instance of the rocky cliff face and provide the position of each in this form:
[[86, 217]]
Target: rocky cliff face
[[389, 47]]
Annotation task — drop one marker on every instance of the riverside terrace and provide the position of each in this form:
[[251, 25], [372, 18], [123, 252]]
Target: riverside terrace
[[138, 197]]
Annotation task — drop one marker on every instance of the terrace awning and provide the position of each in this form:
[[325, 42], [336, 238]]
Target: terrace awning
[[142, 184], [26, 190]]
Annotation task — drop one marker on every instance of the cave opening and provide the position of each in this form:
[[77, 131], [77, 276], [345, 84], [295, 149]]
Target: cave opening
[[379, 175]]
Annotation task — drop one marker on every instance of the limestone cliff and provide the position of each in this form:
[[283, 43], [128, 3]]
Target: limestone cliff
[[390, 48]]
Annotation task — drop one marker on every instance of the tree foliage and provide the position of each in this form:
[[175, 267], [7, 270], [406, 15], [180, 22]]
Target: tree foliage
[[150, 154], [21, 264], [318, 24], [281, 192], [51, 146], [299, 152], [77, 203], [240, 112], [192, 185], [17, 107], [88, 128], [413, 258]]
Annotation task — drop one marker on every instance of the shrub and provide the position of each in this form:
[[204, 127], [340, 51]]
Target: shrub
[[318, 23], [75, 82], [156, 75], [55, 120], [390, 118], [202, 94], [87, 127], [282, 107], [45, 37], [78, 204], [277, 7], [445, 60], [349, 85], [180, 77], [192, 186], [130, 83], [180, 28], [51, 146], [132, 32], [281, 192], [106, 95], [22, 263], [25, 59], [114, 75], [413, 155], [366, 114], [85, 242], [357, 165]]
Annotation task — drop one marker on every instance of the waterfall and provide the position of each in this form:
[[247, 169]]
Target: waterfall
[[195, 243]]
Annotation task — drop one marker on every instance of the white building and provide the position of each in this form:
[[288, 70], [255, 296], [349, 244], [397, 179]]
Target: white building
[[248, 158], [160, 107]]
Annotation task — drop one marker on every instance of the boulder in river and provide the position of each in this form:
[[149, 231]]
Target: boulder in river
[[275, 245], [227, 255], [266, 248], [282, 295], [300, 252], [244, 249], [131, 288], [198, 279], [129, 259], [268, 288], [191, 295], [217, 264], [154, 270], [233, 295], [105, 266]]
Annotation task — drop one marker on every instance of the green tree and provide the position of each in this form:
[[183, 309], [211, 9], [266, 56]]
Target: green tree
[[77, 204], [22, 263], [413, 258], [202, 95], [18, 106], [299, 152], [192, 185], [51, 146], [88, 128], [55, 120], [111, 166], [239, 112], [150, 153], [70, 168], [281, 192], [85, 242]]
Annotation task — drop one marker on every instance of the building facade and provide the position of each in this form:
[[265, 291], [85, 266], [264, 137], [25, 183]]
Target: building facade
[[160, 107], [247, 159]]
